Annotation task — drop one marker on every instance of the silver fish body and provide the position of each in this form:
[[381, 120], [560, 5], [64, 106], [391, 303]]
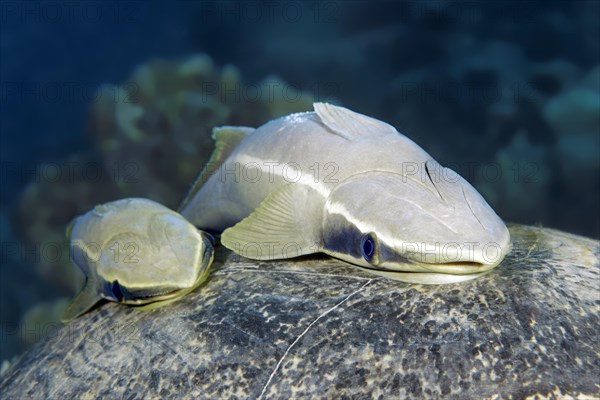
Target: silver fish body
[[341, 183]]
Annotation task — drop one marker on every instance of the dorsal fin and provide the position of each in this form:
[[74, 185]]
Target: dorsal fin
[[349, 124], [226, 139]]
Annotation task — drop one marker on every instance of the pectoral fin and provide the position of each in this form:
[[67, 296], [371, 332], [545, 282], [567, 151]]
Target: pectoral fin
[[287, 224], [85, 300]]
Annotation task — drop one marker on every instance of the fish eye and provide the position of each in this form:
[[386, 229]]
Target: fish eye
[[116, 290], [367, 246]]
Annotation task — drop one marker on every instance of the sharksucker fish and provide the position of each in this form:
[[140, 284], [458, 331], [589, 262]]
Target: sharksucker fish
[[138, 252], [341, 183]]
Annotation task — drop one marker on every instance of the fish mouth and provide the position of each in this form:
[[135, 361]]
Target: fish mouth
[[433, 274], [141, 298], [458, 267], [425, 278], [476, 262], [448, 268]]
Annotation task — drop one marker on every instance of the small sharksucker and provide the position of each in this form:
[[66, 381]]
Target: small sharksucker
[[136, 252]]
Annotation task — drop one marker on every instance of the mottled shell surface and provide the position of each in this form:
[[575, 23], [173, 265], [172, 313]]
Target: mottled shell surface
[[319, 328]]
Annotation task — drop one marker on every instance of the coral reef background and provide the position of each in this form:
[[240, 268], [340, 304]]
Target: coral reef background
[[103, 100]]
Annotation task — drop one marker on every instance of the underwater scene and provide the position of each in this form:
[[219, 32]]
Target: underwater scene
[[108, 100]]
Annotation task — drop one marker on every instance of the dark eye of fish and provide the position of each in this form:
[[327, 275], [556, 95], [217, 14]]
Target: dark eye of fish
[[116, 290], [367, 246]]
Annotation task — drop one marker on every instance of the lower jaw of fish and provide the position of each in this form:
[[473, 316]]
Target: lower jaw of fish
[[433, 274], [142, 300], [425, 278], [458, 268], [159, 300]]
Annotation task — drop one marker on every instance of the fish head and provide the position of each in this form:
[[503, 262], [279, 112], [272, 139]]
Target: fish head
[[136, 251], [430, 221]]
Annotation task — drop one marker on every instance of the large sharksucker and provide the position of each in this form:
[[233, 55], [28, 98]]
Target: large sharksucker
[[385, 184]]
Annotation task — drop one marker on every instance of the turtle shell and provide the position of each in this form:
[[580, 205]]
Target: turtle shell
[[318, 328]]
